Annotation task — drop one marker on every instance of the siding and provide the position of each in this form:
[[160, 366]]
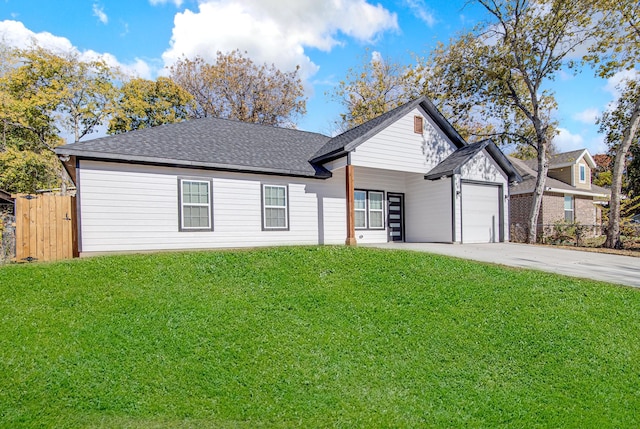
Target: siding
[[398, 148], [127, 207], [428, 210]]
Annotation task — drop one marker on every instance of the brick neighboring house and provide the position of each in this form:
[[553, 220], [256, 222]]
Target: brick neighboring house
[[569, 194]]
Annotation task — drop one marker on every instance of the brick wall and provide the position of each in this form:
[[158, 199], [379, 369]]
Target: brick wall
[[519, 209]]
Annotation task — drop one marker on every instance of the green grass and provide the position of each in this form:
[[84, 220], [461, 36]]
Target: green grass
[[313, 337]]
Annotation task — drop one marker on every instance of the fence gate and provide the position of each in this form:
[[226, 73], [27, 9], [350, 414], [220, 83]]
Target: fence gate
[[45, 227]]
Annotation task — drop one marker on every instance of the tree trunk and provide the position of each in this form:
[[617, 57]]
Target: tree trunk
[[543, 167], [629, 135]]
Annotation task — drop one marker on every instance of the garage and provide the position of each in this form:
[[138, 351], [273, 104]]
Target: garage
[[481, 212]]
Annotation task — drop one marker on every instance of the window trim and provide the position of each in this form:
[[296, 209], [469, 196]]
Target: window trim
[[367, 210], [181, 204], [366, 218], [572, 210], [264, 207], [582, 173]]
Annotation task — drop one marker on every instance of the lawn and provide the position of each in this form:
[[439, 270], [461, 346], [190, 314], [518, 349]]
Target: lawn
[[313, 337]]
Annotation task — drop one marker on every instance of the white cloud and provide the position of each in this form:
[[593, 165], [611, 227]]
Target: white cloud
[[376, 57], [566, 141], [15, 34], [421, 11], [587, 116], [275, 31], [98, 11], [178, 3], [613, 85]]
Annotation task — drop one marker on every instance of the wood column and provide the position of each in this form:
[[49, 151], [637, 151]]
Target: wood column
[[351, 217]]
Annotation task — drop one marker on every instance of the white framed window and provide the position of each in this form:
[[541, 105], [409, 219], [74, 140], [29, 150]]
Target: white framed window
[[360, 209], [582, 173], [568, 208], [195, 205], [275, 207], [369, 209], [376, 210]]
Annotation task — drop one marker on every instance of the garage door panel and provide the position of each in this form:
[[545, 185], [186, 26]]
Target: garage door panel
[[480, 213]]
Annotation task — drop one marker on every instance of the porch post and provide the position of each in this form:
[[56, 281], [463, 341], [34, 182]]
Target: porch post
[[351, 230]]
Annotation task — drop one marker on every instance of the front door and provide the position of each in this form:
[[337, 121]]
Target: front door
[[395, 218]]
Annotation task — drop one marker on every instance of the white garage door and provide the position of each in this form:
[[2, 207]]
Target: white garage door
[[480, 213]]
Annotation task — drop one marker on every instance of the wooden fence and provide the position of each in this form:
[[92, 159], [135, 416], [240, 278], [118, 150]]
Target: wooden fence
[[45, 227]]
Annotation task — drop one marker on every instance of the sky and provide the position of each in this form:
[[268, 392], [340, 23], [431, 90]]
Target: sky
[[324, 37]]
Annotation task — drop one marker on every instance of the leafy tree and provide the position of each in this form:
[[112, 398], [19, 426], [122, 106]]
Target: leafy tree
[[376, 86], [237, 88], [601, 175], [502, 71], [618, 49], [145, 103]]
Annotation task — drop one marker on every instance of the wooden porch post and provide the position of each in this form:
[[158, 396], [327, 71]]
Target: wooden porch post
[[351, 230]]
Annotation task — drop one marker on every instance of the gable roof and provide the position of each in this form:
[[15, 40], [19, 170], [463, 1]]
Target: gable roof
[[529, 177], [454, 162], [351, 139], [565, 159], [211, 143]]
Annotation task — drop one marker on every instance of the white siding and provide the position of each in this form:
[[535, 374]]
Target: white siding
[[398, 148], [428, 210], [128, 207]]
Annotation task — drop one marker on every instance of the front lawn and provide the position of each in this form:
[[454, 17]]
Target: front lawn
[[313, 337]]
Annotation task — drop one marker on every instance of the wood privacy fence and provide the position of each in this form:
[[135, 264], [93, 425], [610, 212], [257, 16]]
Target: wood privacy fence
[[45, 227]]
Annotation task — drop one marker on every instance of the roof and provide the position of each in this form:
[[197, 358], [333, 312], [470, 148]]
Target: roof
[[211, 143], [565, 159], [351, 139], [529, 176], [454, 162]]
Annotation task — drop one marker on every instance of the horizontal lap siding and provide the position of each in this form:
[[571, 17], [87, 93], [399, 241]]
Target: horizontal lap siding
[[398, 147], [132, 207], [428, 210]]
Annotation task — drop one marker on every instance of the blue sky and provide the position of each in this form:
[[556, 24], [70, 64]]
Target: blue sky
[[325, 38]]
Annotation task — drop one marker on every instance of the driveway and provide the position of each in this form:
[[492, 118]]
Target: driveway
[[618, 269]]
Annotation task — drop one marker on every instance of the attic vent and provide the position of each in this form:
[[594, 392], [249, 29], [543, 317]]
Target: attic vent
[[417, 124]]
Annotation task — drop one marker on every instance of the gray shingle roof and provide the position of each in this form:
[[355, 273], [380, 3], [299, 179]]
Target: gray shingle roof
[[352, 138], [529, 176], [454, 162], [211, 143]]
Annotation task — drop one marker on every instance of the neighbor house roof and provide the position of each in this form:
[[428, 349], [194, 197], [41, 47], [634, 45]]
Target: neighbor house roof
[[211, 143], [565, 159], [351, 139], [5, 197], [454, 162], [528, 184]]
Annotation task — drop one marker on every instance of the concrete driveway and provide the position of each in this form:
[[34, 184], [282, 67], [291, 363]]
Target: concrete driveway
[[618, 269]]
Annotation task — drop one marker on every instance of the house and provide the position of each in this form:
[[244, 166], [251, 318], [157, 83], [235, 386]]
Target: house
[[569, 195], [406, 175]]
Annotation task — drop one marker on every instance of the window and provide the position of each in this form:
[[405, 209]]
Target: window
[[583, 173], [376, 218], [195, 205], [568, 208], [275, 209], [369, 209], [418, 126]]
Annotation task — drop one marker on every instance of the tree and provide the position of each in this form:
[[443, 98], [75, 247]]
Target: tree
[[602, 173], [376, 86], [236, 88], [505, 67], [145, 103], [618, 49]]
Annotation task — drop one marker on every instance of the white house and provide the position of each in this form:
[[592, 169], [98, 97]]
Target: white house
[[404, 176]]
